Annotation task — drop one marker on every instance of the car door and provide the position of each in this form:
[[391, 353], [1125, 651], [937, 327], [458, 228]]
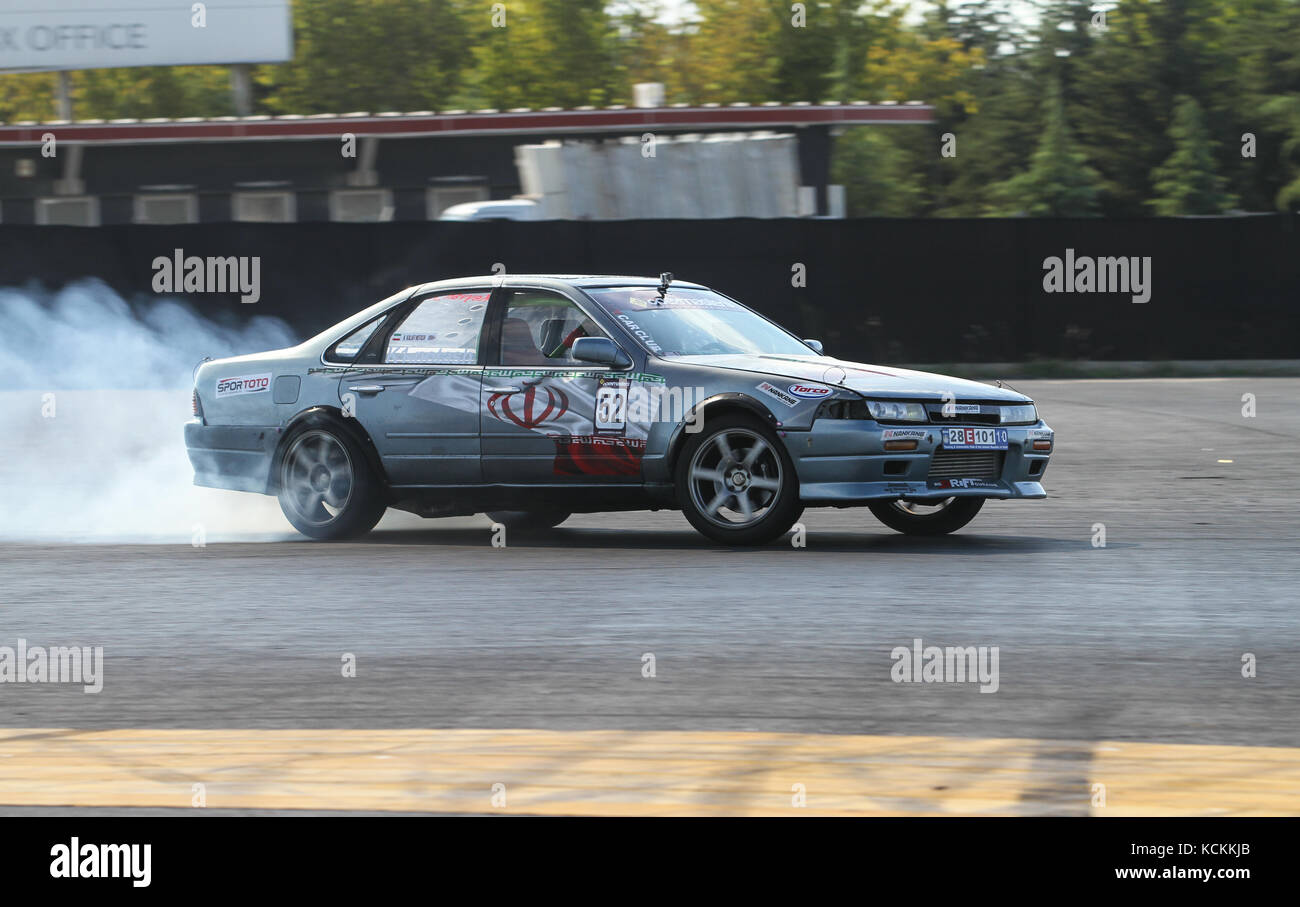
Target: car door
[[546, 417], [420, 401]]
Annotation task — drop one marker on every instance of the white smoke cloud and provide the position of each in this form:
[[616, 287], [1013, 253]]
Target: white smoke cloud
[[93, 396], [86, 336]]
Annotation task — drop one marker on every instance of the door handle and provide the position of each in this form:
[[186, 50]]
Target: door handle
[[367, 389], [503, 390]]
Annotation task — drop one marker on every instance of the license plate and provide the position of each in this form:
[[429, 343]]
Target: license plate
[[975, 438]]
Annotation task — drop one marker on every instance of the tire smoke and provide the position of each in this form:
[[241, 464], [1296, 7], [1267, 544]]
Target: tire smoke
[[93, 395]]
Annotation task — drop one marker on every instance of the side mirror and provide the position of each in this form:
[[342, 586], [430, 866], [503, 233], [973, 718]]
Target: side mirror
[[601, 351], [816, 345]]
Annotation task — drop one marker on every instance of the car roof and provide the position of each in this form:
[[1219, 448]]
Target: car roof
[[584, 281]]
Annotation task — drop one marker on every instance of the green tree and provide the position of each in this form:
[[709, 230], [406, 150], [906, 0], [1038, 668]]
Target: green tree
[[1059, 181], [880, 172], [548, 53], [371, 55], [1187, 183], [1261, 97]]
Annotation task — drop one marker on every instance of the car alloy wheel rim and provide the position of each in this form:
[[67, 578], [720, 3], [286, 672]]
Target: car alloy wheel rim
[[318, 477], [735, 477], [921, 508]]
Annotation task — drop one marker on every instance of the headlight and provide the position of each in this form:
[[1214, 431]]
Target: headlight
[[889, 411], [1019, 415]]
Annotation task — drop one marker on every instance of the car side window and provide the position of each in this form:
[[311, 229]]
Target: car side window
[[440, 330], [346, 350], [539, 329]]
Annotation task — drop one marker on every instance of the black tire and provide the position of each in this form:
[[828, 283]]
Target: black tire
[[529, 520], [711, 485], [327, 487], [910, 517]]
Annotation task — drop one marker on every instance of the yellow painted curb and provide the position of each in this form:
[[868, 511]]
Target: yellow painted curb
[[640, 773]]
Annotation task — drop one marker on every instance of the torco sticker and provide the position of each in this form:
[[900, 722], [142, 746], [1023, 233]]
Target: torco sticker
[[246, 384], [773, 391], [809, 391], [890, 434]]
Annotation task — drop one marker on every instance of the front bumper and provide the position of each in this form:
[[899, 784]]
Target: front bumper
[[843, 461], [236, 457]]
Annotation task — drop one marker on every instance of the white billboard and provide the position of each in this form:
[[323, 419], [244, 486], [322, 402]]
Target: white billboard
[[97, 34]]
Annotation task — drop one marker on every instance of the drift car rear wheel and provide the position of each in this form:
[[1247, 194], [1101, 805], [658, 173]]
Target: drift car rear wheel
[[917, 518], [529, 520], [736, 483], [327, 488]]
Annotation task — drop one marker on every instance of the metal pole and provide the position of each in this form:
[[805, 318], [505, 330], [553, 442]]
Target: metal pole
[[64, 96], [241, 89]]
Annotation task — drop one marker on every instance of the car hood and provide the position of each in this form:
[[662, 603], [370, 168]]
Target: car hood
[[870, 380]]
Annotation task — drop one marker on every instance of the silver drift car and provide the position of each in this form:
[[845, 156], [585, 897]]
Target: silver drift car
[[534, 397]]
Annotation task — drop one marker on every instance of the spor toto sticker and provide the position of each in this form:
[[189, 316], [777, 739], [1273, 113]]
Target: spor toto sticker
[[809, 391], [245, 384]]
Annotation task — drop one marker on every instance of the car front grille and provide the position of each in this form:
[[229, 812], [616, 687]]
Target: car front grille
[[966, 464], [938, 418]]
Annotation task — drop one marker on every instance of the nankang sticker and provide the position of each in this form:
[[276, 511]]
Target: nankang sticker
[[773, 391], [961, 409], [246, 384], [809, 391], [890, 434]]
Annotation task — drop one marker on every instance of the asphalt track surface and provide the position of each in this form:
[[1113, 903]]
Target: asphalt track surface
[[1139, 641]]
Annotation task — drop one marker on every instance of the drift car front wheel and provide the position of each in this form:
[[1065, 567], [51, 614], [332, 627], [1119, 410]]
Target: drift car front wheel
[[736, 483], [327, 488], [917, 518], [528, 520]]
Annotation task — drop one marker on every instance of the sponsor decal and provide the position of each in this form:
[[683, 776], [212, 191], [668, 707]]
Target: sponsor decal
[[917, 434], [433, 372], [598, 455], [1040, 433], [529, 408], [244, 384], [961, 409], [901, 487], [641, 333], [964, 483], [611, 405], [416, 353], [808, 391], [775, 392]]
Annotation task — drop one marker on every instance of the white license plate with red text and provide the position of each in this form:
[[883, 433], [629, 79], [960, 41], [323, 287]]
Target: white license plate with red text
[[975, 438]]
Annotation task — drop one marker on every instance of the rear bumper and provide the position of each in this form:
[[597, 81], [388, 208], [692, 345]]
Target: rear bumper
[[844, 462], [235, 457]]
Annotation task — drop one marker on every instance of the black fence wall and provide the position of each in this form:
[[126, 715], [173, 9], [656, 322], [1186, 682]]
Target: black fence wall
[[878, 290]]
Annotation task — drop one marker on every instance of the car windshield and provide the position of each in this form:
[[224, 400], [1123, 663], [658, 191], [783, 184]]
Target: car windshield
[[689, 322]]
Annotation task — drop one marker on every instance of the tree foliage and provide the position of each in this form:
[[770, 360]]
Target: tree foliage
[[1159, 106]]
